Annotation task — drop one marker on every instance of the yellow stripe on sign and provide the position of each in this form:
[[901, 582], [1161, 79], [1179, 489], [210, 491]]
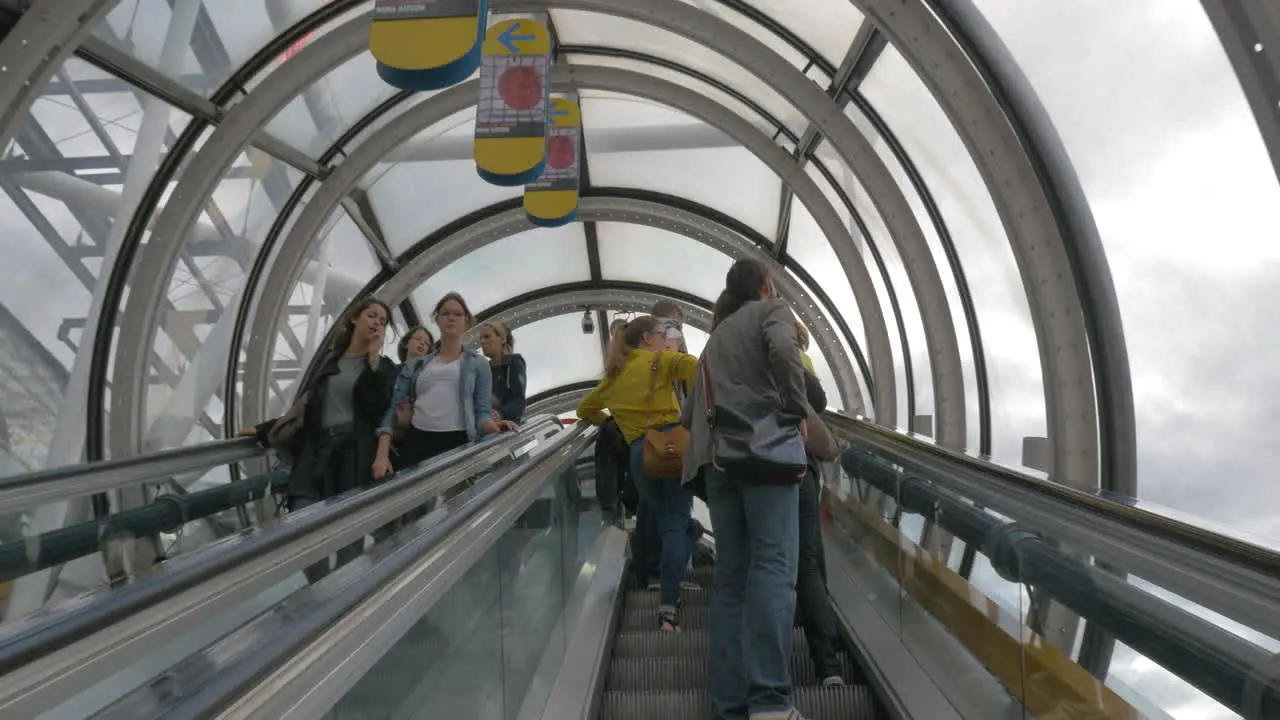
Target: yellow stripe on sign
[[517, 37], [550, 204], [422, 44], [509, 156]]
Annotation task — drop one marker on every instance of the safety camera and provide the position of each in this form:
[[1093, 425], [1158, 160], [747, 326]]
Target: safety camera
[[588, 322]]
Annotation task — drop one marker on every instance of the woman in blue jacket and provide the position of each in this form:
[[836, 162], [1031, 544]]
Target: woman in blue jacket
[[450, 389]]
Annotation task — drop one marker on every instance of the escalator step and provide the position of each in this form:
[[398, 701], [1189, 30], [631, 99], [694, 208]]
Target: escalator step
[[646, 618], [690, 673], [653, 643], [648, 599], [840, 703]]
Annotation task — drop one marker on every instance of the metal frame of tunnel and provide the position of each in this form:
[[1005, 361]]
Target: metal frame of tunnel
[[1050, 236]]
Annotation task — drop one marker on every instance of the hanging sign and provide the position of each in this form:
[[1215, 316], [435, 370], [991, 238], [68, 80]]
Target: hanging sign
[[427, 44], [511, 117], [552, 199]]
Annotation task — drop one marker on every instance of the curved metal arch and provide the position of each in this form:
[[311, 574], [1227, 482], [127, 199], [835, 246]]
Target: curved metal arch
[[962, 286], [141, 317], [558, 400], [828, 119], [38, 44], [104, 332], [785, 79], [288, 261], [1039, 243], [421, 262], [621, 296]]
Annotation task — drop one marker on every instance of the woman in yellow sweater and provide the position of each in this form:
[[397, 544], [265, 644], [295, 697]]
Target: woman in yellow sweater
[[626, 393]]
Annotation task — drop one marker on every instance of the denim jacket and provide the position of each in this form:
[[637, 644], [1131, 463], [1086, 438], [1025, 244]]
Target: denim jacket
[[476, 385]]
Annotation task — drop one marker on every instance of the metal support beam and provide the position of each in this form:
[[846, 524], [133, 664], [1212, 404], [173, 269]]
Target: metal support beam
[[1250, 35], [37, 46]]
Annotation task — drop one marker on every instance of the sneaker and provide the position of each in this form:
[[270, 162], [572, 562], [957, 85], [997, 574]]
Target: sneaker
[[833, 681], [668, 622], [792, 714]]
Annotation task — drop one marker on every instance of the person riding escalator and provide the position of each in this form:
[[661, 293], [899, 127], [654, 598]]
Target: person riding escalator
[[329, 430]]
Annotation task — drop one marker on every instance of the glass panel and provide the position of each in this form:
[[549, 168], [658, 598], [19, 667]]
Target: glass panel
[[558, 352], [62, 196], [930, 141], [522, 263], [755, 113], [419, 196], [897, 275], [827, 26], [314, 119], [723, 175], [638, 253], [1182, 191], [595, 29], [204, 291], [217, 38], [339, 265], [492, 646], [449, 664], [741, 21], [812, 250]]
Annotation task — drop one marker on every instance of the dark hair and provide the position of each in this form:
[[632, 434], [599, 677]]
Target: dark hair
[[666, 309], [342, 338], [742, 284], [403, 348], [466, 311], [624, 340]]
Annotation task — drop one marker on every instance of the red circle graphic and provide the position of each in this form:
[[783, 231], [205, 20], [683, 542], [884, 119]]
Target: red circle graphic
[[520, 87], [560, 152]]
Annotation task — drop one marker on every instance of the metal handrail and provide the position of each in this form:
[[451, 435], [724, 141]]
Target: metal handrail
[[108, 626], [21, 492], [921, 450], [1233, 577]]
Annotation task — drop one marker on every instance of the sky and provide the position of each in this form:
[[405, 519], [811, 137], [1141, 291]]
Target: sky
[[1167, 151]]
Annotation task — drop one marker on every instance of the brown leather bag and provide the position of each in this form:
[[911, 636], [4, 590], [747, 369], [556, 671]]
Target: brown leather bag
[[287, 431], [821, 442], [663, 449]]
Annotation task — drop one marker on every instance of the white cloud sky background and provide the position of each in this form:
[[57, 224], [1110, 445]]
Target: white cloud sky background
[[1142, 94]]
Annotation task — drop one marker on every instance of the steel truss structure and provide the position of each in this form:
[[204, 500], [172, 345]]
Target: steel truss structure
[[192, 326]]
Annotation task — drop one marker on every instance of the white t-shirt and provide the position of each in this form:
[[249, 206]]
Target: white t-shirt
[[438, 405]]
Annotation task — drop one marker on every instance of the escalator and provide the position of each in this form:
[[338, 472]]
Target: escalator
[[511, 600], [655, 674]]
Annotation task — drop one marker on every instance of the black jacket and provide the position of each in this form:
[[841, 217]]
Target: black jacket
[[372, 397], [508, 387]]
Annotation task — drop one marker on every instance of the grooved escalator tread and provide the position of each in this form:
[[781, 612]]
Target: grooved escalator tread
[[690, 673], [850, 702], [648, 599], [651, 642], [644, 618]]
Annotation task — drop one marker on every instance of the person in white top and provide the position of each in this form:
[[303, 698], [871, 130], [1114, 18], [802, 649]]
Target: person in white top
[[451, 396]]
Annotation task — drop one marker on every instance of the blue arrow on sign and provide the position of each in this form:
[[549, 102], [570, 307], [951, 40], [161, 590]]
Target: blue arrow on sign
[[509, 38], [555, 114]]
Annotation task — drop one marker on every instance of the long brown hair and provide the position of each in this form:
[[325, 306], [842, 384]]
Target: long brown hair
[[346, 324], [624, 340], [742, 284], [466, 311]]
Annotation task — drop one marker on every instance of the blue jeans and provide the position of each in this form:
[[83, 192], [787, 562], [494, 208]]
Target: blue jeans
[[672, 505], [753, 598]]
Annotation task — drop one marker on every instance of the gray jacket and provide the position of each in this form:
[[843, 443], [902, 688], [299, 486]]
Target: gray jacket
[[752, 358]]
